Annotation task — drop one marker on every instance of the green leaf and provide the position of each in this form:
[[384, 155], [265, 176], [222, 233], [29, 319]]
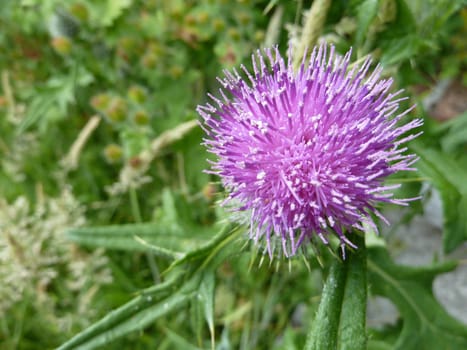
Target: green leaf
[[209, 251], [197, 318], [52, 100], [180, 288], [405, 21], [136, 314], [40, 107], [426, 325], [456, 135], [179, 341], [170, 241], [450, 180], [288, 341], [400, 40], [206, 298], [379, 345], [432, 15], [202, 308], [366, 13], [107, 11], [384, 337], [400, 49]]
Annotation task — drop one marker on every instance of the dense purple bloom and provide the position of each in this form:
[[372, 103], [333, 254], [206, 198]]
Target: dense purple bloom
[[304, 152]]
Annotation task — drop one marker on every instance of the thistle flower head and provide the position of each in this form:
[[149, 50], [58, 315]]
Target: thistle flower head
[[304, 152]]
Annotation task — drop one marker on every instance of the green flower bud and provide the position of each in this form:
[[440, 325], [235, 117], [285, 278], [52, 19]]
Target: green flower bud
[[100, 102], [202, 17], [218, 24], [259, 36], [176, 71], [62, 45], [80, 11], [149, 60], [136, 94], [141, 118], [113, 153], [234, 34], [244, 18], [117, 110]]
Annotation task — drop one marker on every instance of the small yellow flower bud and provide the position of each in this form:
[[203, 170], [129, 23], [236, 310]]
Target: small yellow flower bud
[[61, 45], [100, 102], [136, 94], [80, 11], [141, 118], [117, 110], [113, 153]]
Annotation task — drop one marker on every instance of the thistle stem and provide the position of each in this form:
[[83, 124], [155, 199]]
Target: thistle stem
[[325, 326], [352, 334], [340, 322]]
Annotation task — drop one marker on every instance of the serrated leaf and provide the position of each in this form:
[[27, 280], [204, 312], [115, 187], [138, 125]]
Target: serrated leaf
[[450, 180], [170, 241], [209, 250], [446, 165], [136, 314], [157, 301], [426, 325], [110, 10], [40, 106], [54, 98]]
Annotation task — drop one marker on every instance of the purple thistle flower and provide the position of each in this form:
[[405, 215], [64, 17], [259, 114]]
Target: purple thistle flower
[[304, 152]]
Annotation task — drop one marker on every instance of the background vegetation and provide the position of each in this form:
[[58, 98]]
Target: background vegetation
[[104, 203]]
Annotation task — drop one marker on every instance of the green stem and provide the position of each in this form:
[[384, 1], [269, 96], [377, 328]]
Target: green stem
[[325, 326], [138, 218], [135, 206], [352, 333], [340, 322]]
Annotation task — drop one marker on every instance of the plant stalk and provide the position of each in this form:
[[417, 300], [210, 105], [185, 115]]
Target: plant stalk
[[352, 334], [325, 326], [340, 322]]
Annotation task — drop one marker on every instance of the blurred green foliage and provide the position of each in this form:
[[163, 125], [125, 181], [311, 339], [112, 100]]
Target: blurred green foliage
[[142, 67]]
